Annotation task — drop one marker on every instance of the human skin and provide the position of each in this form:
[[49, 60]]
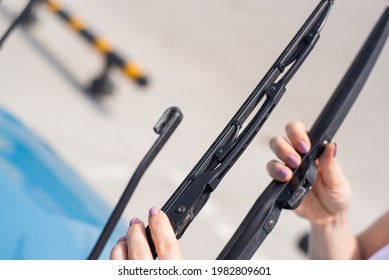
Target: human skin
[[134, 246], [327, 205]]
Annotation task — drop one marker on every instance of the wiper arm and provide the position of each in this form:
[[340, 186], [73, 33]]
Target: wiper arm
[[192, 194], [27, 9], [165, 127], [264, 214]]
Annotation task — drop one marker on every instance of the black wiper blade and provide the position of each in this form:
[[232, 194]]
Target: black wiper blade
[[192, 194], [264, 214], [352, 82]]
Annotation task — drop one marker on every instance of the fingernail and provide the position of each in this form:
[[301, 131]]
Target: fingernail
[[123, 238], [153, 211], [134, 221], [282, 173], [336, 148], [293, 161], [303, 147]]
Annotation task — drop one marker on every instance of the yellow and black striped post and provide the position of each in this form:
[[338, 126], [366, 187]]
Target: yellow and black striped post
[[129, 68]]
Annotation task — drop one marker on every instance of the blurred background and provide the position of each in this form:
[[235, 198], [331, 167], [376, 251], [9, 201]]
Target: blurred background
[[204, 57]]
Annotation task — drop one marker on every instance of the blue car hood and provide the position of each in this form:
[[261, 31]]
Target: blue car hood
[[47, 210]]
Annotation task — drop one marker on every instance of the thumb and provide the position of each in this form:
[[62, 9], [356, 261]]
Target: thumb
[[331, 172]]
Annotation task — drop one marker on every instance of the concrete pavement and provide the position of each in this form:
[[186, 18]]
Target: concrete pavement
[[204, 57]]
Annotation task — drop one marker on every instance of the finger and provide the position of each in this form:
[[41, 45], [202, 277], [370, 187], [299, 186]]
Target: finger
[[119, 251], [298, 135], [284, 151], [279, 171], [137, 245], [332, 174], [164, 238], [328, 156], [333, 180]]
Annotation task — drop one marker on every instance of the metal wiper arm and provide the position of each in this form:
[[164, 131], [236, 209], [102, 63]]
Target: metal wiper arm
[[165, 127], [26, 10], [192, 194], [264, 214]]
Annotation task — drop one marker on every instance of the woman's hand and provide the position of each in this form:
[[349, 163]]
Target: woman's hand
[[331, 192], [134, 245]]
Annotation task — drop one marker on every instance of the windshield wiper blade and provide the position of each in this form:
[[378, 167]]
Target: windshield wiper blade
[[263, 215], [192, 194]]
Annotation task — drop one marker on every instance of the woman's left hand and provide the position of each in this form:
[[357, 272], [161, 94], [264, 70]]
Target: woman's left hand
[[134, 245]]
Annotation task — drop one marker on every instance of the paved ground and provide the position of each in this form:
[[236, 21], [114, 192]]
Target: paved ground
[[204, 57]]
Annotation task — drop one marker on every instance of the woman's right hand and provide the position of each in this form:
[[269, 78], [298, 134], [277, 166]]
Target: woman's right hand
[[331, 192]]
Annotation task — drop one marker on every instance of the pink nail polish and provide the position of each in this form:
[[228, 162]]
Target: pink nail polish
[[293, 161], [303, 147], [282, 173], [123, 238], [153, 211], [134, 221]]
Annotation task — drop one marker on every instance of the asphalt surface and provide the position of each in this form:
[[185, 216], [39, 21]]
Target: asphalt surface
[[204, 57]]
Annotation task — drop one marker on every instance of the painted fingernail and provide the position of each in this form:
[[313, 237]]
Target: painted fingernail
[[282, 173], [134, 221], [293, 161], [123, 238], [153, 211], [303, 146], [336, 149]]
